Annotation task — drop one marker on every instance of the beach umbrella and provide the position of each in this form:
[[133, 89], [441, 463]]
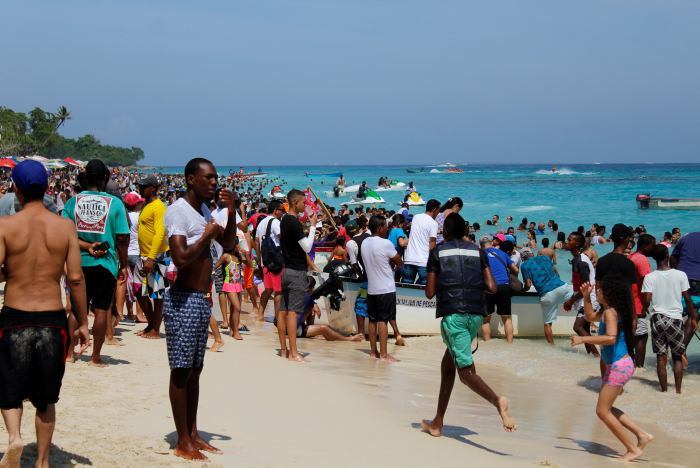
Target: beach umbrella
[[7, 162], [72, 162], [36, 157]]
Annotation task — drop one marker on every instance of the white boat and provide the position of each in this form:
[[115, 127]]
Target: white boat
[[645, 201], [393, 186], [276, 195], [415, 314]]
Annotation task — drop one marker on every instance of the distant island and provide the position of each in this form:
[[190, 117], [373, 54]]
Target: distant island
[[36, 132]]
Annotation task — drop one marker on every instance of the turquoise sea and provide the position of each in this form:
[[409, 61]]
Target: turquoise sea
[[575, 195]]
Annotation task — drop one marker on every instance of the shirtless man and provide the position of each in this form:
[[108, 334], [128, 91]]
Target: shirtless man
[[186, 310], [35, 246]]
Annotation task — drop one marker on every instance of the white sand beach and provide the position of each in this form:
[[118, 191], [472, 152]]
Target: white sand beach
[[343, 409]]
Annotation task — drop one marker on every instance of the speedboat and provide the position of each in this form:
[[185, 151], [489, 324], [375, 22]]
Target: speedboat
[[646, 201]]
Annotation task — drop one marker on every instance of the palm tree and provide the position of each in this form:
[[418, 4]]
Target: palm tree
[[62, 115]]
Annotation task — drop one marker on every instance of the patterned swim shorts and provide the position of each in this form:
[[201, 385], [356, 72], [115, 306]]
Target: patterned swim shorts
[[361, 301], [186, 315], [619, 372], [154, 284], [667, 332]]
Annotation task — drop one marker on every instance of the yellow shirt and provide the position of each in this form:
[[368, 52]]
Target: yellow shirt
[[152, 236]]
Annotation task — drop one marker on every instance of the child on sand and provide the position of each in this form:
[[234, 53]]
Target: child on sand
[[615, 336], [233, 260]]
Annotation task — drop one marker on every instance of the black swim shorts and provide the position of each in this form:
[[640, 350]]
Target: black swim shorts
[[499, 302], [381, 307], [33, 350], [100, 285]]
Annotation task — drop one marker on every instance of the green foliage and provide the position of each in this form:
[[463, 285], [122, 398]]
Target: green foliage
[[37, 133]]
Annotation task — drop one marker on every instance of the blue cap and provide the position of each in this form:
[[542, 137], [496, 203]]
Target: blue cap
[[30, 177], [510, 237]]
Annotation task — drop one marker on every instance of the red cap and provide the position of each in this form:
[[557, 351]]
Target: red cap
[[133, 199]]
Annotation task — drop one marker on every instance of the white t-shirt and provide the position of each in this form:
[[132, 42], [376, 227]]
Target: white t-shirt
[[516, 258], [423, 227], [133, 233], [352, 249], [376, 253], [591, 279], [220, 215], [666, 288], [183, 220], [274, 230]]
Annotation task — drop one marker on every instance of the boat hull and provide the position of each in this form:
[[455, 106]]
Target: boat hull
[[415, 314]]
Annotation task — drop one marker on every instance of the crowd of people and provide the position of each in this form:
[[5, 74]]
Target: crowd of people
[[159, 249]]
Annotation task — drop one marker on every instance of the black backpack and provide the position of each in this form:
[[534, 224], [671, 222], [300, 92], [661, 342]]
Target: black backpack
[[271, 254]]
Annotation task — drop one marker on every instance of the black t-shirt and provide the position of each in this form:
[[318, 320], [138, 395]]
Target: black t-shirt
[[616, 264], [291, 232]]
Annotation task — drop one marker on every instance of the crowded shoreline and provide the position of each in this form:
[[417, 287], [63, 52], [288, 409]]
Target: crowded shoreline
[[246, 196]]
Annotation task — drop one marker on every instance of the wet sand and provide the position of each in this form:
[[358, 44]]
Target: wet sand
[[343, 409]]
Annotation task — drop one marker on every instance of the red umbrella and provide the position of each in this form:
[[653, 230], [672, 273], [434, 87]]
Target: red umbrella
[[7, 162]]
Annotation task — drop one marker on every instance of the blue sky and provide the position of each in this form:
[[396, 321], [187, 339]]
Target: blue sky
[[400, 81]]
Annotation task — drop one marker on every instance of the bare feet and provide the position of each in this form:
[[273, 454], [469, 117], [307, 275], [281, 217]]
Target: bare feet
[[203, 445], [400, 341], [508, 422], [216, 346], [13, 454], [70, 358], [97, 362], [235, 335], [645, 440], [358, 337], [113, 342], [374, 355], [297, 358], [151, 335], [193, 454], [389, 358], [631, 455], [434, 427], [148, 329]]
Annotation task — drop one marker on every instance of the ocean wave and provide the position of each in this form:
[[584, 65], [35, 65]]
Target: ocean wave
[[532, 208], [562, 171]]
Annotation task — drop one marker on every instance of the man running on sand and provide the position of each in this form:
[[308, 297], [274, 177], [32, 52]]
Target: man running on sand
[[458, 273], [35, 245], [186, 309]]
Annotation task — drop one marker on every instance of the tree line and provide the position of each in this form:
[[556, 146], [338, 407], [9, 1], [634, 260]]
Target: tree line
[[36, 132]]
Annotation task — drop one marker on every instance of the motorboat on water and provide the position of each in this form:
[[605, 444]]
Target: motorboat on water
[[646, 201]]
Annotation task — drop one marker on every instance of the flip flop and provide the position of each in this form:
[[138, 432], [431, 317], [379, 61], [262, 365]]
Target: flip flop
[[243, 329]]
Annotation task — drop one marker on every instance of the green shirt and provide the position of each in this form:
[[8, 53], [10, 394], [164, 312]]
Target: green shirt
[[98, 217]]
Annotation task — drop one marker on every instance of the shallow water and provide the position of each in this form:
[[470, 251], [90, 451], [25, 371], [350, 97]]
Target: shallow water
[[552, 393]]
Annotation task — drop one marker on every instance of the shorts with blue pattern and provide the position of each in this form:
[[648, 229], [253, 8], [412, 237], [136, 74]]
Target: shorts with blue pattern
[[186, 315], [361, 301]]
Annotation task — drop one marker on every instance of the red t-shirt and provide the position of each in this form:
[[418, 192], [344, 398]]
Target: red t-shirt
[[643, 267]]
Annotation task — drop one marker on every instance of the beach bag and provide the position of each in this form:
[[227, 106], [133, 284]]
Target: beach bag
[[271, 254], [513, 281]]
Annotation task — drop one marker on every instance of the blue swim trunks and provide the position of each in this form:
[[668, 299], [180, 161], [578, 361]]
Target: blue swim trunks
[[186, 315], [361, 301]]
